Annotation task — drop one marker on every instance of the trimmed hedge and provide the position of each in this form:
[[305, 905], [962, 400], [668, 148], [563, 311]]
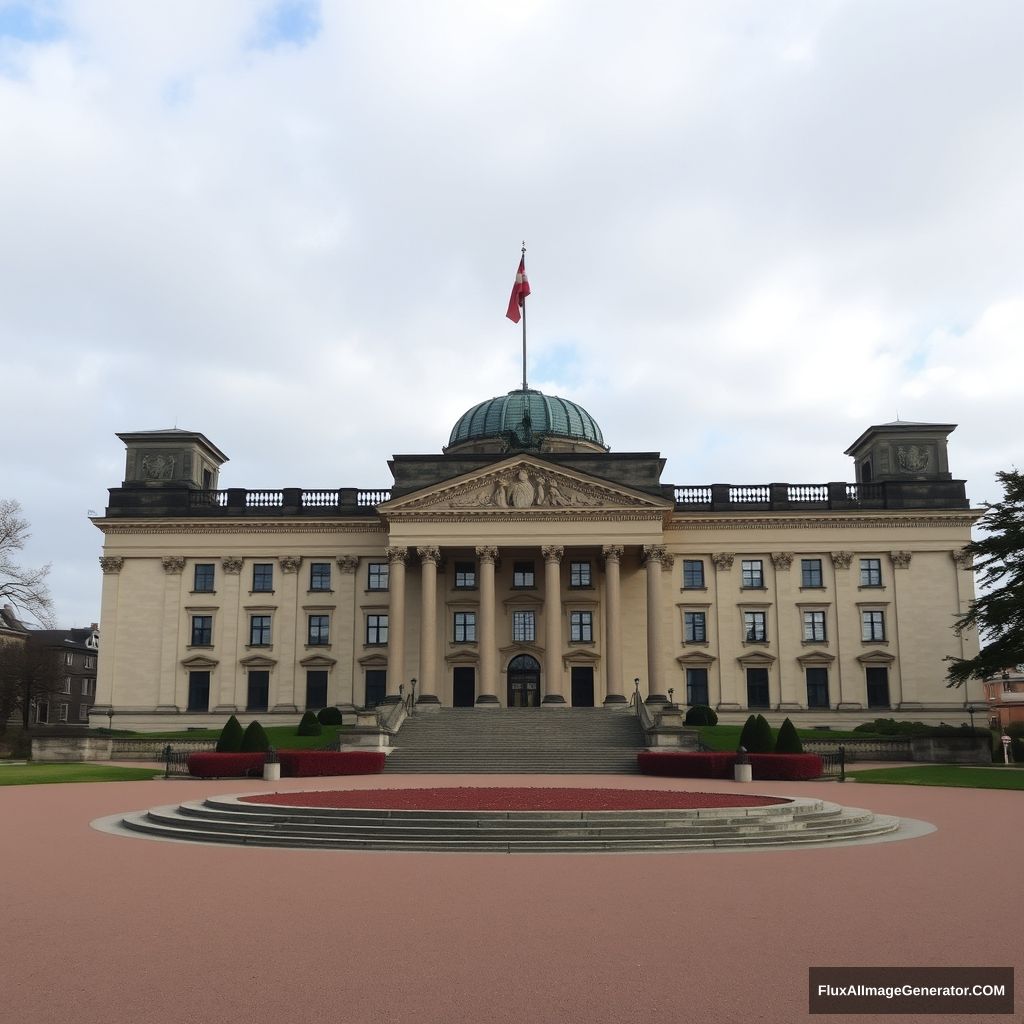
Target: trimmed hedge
[[230, 739], [255, 739], [782, 767], [329, 716], [309, 726], [788, 741], [701, 714], [295, 764]]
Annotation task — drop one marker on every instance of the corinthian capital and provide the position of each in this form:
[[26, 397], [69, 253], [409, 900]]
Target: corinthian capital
[[429, 553], [111, 565], [552, 552], [487, 553], [396, 554]]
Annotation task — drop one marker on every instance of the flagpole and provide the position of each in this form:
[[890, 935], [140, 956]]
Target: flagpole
[[523, 302]]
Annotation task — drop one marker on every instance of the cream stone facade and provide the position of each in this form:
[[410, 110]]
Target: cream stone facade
[[527, 565]]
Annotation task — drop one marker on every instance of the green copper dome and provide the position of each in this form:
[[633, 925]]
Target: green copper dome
[[524, 420]]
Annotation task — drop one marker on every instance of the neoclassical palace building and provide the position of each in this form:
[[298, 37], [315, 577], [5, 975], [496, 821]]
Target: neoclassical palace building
[[528, 565]]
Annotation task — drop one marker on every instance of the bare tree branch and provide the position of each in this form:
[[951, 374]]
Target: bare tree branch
[[22, 587]]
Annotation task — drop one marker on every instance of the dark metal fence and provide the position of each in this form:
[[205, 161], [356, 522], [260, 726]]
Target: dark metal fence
[[175, 763], [833, 764]]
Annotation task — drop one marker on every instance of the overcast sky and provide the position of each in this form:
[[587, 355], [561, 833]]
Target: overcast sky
[[753, 230]]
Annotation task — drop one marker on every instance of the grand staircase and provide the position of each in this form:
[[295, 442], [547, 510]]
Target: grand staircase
[[518, 741]]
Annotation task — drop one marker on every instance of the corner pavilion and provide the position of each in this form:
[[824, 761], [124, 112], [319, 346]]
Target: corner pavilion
[[529, 565]]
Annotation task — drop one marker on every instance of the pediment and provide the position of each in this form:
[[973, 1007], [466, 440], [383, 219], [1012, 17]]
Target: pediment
[[199, 661], [522, 486]]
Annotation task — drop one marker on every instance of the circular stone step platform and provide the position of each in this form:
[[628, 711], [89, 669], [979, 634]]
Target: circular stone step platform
[[511, 820]]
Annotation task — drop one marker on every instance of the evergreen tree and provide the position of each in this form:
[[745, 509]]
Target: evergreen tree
[[788, 742], [230, 741], [255, 739], [998, 615], [762, 738], [309, 726], [747, 733]]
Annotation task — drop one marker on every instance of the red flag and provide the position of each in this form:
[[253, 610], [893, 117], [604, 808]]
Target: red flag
[[521, 288]]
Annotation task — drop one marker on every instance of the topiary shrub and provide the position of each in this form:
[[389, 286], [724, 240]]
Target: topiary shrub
[[701, 714], [230, 739], [787, 741], [255, 739], [309, 726], [762, 738], [747, 732], [329, 716]]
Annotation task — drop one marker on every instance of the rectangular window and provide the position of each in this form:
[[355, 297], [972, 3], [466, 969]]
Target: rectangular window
[[753, 574], [695, 624], [62, 712], [199, 691], [697, 686], [872, 626], [817, 687], [42, 712], [87, 687], [465, 575], [66, 686], [814, 626], [581, 627], [377, 576], [83, 713], [878, 687], [465, 627], [524, 627], [258, 696], [376, 630], [316, 689], [755, 627], [319, 630], [259, 630], [579, 574], [203, 580], [810, 572], [870, 572], [202, 630], [69, 658], [320, 576], [522, 575], [263, 578], [757, 687], [693, 574]]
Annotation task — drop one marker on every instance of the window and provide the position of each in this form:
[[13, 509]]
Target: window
[[581, 627], [878, 687], [814, 626], [83, 713], [319, 630], [693, 574], [62, 712], [465, 575], [69, 658], [263, 578], [755, 627], [90, 662], [42, 712], [66, 685], [697, 686], [377, 578], [695, 626], [753, 574], [817, 687], [199, 691], [376, 629], [465, 627], [203, 580], [522, 575], [524, 627], [757, 687], [259, 630], [258, 696], [870, 572], [872, 626], [579, 575], [202, 630], [316, 689], [320, 576], [810, 572], [88, 687]]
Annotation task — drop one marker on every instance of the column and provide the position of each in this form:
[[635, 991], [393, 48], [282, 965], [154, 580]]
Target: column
[[230, 693], [173, 566], [613, 616], [429, 557], [289, 632], [653, 554], [347, 628], [106, 667], [487, 688], [396, 624], [553, 696]]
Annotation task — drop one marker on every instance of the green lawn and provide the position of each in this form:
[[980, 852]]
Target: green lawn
[[727, 737], [997, 777], [36, 774]]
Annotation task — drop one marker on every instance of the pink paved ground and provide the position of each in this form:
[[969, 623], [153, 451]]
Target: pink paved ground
[[100, 929]]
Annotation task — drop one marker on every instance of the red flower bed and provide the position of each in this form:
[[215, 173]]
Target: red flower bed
[[492, 798], [715, 765], [295, 764]]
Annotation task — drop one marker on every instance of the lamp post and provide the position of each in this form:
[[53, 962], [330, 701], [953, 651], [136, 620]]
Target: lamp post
[[970, 711], [413, 683], [671, 695], [110, 719]]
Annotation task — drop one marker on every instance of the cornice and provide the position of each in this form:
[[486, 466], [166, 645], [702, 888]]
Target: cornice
[[546, 516], [221, 528], [839, 521]]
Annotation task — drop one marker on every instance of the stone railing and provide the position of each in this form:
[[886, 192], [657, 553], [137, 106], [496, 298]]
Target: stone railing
[[896, 749], [127, 749], [781, 497]]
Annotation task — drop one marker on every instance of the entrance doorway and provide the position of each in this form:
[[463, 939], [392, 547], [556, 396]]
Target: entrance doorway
[[524, 682], [376, 686], [582, 680], [463, 687]]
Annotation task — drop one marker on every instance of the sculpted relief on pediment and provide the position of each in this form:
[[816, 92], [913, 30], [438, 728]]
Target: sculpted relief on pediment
[[526, 487]]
